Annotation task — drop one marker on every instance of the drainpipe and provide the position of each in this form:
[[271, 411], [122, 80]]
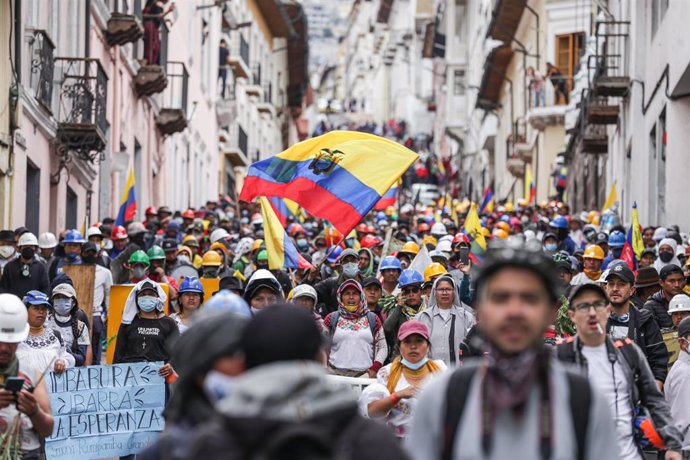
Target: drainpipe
[[87, 32]]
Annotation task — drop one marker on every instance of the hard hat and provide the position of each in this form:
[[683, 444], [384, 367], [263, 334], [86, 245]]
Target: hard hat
[[409, 277], [333, 254], [504, 226], [192, 285], [294, 229], [369, 241], [151, 211], [27, 239], [428, 239], [135, 228], [591, 216], [461, 238], [118, 233], [303, 290], [679, 302], [73, 236], [509, 207], [390, 263], [438, 229], [262, 255], [362, 228], [139, 257], [93, 231], [256, 245], [211, 259], [616, 239], [444, 246], [219, 234], [47, 241], [188, 214], [14, 319], [156, 253], [439, 254], [225, 301], [191, 241], [432, 270], [390, 210], [164, 209], [423, 228], [219, 245], [559, 222], [410, 248], [500, 233], [257, 219], [593, 251]]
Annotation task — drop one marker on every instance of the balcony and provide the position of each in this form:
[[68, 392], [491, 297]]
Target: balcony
[[601, 113], [151, 78], [505, 19], [81, 117], [265, 104], [234, 144], [226, 107], [253, 87], [42, 68], [172, 117], [239, 57], [516, 166], [123, 28], [610, 77]]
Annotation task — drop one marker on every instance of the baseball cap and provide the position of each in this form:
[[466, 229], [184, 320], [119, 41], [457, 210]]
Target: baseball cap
[[684, 328], [669, 270], [64, 289], [169, 244], [368, 281], [413, 327], [587, 287], [623, 272]]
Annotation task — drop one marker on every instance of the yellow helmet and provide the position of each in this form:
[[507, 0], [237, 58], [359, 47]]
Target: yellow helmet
[[390, 210], [593, 251], [509, 206], [190, 240], [523, 203], [219, 245], [432, 270], [410, 247], [428, 239], [503, 226], [211, 259], [591, 216], [257, 244], [500, 233]]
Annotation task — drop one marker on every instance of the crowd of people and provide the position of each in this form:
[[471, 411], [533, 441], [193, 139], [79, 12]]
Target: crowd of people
[[549, 339]]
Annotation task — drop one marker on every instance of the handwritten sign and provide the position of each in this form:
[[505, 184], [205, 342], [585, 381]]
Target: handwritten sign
[[105, 411]]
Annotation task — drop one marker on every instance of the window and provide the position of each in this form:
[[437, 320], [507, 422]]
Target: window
[[33, 196], [459, 82], [71, 204], [568, 50]]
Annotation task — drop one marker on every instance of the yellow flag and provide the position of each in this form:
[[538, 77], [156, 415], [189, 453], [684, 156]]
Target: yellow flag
[[474, 228], [611, 200]]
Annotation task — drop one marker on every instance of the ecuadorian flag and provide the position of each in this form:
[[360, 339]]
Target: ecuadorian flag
[[487, 200], [128, 203], [634, 245], [282, 252], [473, 229], [339, 176], [388, 199]]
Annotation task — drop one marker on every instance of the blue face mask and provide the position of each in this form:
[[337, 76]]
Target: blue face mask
[[414, 366], [617, 252], [148, 304], [72, 257], [551, 247], [218, 385]]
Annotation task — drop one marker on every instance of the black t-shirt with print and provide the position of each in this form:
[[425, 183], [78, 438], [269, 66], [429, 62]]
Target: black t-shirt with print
[[145, 340]]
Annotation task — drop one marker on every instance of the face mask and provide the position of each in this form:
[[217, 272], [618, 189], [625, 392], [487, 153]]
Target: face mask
[[414, 366], [262, 266], [148, 303], [6, 252], [107, 244], [89, 260], [617, 252], [28, 253], [183, 259], [328, 270], [665, 257], [255, 310], [350, 269], [551, 247], [211, 272], [62, 306], [139, 272], [592, 274], [218, 386], [72, 257]]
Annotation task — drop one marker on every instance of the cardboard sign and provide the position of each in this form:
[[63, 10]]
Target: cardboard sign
[[105, 411], [84, 279], [118, 298]]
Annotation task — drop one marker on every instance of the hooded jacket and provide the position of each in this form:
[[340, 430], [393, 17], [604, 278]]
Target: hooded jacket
[[290, 410], [657, 305], [460, 320]]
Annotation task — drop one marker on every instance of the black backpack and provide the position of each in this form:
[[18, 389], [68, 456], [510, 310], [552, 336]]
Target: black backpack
[[458, 390]]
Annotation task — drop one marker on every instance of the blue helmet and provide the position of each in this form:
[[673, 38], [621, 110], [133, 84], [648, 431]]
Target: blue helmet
[[505, 218], [559, 222], [409, 276], [334, 254], [191, 285], [225, 301], [616, 239], [390, 263], [73, 236], [36, 298]]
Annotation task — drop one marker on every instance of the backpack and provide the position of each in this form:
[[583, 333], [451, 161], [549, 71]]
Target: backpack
[[458, 390], [371, 316]]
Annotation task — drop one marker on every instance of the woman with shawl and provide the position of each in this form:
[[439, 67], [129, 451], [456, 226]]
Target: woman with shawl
[[393, 396], [358, 343]]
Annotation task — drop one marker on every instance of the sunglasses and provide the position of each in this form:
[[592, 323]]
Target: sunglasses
[[412, 290]]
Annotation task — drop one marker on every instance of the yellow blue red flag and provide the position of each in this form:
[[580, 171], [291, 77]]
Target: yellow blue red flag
[[338, 176], [281, 251], [634, 245], [128, 203]]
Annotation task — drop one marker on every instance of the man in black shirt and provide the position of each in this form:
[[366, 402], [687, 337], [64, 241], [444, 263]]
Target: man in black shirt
[[25, 273], [223, 55]]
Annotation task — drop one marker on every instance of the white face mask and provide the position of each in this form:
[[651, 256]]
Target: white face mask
[[255, 310], [6, 251], [218, 385]]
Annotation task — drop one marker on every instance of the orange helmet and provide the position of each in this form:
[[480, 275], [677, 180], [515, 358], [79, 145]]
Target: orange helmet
[[500, 233], [188, 214], [503, 226], [593, 251]]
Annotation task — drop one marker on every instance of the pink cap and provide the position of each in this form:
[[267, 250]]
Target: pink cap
[[413, 327]]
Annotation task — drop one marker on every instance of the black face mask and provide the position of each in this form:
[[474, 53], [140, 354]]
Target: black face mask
[[665, 257], [89, 260], [28, 253]]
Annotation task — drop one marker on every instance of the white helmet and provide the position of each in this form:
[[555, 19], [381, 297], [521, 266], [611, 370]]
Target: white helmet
[[219, 234], [27, 239], [438, 229], [14, 319], [93, 231], [444, 246], [304, 290], [47, 241], [678, 303]]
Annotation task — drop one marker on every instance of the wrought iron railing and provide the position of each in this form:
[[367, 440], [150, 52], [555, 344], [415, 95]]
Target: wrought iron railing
[[176, 93], [268, 92], [83, 94], [42, 68], [244, 49], [256, 73], [242, 140]]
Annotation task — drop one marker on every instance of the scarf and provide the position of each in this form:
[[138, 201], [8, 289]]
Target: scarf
[[397, 369], [509, 379], [10, 369], [411, 312], [592, 274], [369, 269], [361, 310]]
